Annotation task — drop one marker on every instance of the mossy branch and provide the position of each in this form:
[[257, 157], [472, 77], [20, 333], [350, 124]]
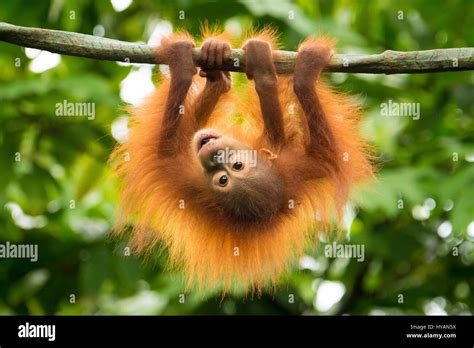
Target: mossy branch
[[89, 46]]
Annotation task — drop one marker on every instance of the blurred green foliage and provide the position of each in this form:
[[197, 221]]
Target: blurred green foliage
[[67, 199]]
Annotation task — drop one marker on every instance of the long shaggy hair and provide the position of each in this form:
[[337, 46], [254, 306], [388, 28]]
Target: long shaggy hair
[[168, 199]]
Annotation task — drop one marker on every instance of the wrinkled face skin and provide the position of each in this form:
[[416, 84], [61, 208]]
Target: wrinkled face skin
[[245, 185]]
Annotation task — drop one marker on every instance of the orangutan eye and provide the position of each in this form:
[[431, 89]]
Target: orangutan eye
[[238, 165], [223, 180]]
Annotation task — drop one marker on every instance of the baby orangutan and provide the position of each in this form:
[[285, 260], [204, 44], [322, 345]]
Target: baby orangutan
[[235, 183]]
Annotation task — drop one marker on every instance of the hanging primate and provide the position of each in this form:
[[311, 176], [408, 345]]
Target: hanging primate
[[235, 183]]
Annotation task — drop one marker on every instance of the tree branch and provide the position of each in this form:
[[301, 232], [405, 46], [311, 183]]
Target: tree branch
[[388, 62]]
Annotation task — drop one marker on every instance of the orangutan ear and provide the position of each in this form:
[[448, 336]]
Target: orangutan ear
[[268, 155]]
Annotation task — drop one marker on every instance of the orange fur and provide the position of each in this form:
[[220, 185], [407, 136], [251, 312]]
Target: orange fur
[[205, 246]]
